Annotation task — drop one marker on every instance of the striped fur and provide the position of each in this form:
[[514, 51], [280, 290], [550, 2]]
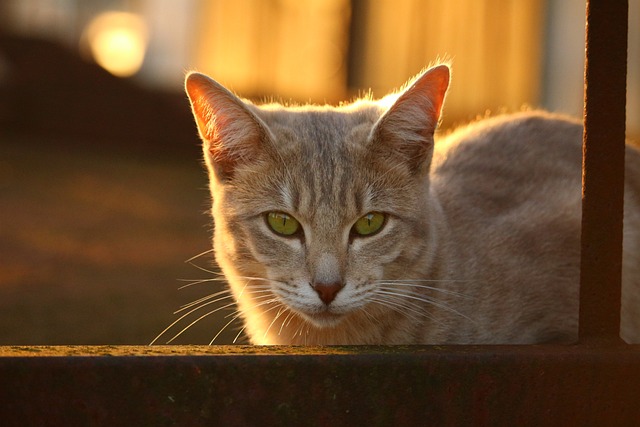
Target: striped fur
[[481, 239]]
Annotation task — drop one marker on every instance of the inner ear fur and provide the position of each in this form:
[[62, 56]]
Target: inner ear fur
[[230, 132], [406, 129]]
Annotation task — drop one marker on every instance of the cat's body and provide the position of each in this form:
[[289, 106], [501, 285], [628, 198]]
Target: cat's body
[[510, 191], [346, 226]]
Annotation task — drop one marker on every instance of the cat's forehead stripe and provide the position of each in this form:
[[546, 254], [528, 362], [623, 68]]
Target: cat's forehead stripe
[[320, 166], [288, 200]]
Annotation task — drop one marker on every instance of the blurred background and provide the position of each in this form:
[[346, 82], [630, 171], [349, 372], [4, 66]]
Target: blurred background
[[102, 193]]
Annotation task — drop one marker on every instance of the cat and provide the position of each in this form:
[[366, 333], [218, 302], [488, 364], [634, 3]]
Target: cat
[[357, 224]]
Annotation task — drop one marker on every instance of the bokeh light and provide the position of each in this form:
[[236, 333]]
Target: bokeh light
[[118, 42]]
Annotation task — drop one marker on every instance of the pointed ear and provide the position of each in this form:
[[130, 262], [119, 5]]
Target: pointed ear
[[231, 133], [406, 129]]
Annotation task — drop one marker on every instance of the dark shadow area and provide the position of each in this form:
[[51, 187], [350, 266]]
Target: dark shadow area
[[102, 199]]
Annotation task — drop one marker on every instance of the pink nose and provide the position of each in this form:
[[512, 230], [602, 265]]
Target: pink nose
[[327, 291]]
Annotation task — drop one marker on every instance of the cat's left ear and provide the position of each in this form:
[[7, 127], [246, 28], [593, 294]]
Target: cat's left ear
[[231, 133], [406, 129]]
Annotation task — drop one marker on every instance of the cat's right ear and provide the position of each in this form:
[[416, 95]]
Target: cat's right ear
[[406, 130], [230, 132]]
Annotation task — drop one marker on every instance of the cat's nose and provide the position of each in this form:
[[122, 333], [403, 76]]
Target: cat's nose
[[327, 291]]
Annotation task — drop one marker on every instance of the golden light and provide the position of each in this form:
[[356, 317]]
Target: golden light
[[295, 49], [118, 41]]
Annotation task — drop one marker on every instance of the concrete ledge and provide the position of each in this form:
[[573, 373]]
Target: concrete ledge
[[389, 386]]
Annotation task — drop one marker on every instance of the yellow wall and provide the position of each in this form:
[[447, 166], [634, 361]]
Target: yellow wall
[[298, 49]]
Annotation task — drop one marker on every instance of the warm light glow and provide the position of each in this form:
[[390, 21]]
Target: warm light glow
[[294, 49], [118, 41]]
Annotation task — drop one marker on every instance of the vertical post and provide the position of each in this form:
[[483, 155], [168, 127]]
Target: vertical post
[[603, 170]]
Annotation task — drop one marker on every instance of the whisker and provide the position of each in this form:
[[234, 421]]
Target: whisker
[[201, 268], [431, 288], [243, 288], [427, 300], [267, 294], [199, 319], [199, 255], [277, 316], [238, 314], [285, 321], [235, 315], [238, 336], [249, 280], [187, 314], [370, 316], [299, 328], [199, 281], [199, 305], [256, 279], [403, 305], [399, 308], [408, 303], [254, 285], [203, 299], [428, 280]]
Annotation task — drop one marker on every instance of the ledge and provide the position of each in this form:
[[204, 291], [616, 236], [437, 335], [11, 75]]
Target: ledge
[[245, 385], [606, 349]]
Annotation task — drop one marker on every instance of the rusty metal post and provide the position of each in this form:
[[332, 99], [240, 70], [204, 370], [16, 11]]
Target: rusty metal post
[[603, 170]]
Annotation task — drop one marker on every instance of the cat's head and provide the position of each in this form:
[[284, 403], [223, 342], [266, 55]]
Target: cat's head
[[317, 206]]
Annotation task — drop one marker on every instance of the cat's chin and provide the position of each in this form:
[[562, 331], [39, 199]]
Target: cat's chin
[[324, 319]]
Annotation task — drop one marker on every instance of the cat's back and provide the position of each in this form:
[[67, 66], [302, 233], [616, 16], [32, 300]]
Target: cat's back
[[510, 189], [498, 165]]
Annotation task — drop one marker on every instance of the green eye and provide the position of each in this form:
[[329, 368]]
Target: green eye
[[369, 224], [282, 223]]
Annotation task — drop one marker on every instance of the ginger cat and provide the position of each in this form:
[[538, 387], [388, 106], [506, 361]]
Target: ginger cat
[[355, 225]]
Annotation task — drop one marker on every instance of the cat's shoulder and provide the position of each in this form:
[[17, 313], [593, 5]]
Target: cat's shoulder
[[511, 137], [516, 127]]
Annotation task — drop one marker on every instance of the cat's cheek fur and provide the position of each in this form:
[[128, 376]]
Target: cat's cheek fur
[[281, 254], [482, 243]]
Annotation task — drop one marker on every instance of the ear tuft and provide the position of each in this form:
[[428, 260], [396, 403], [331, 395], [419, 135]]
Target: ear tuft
[[407, 128], [230, 132]]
